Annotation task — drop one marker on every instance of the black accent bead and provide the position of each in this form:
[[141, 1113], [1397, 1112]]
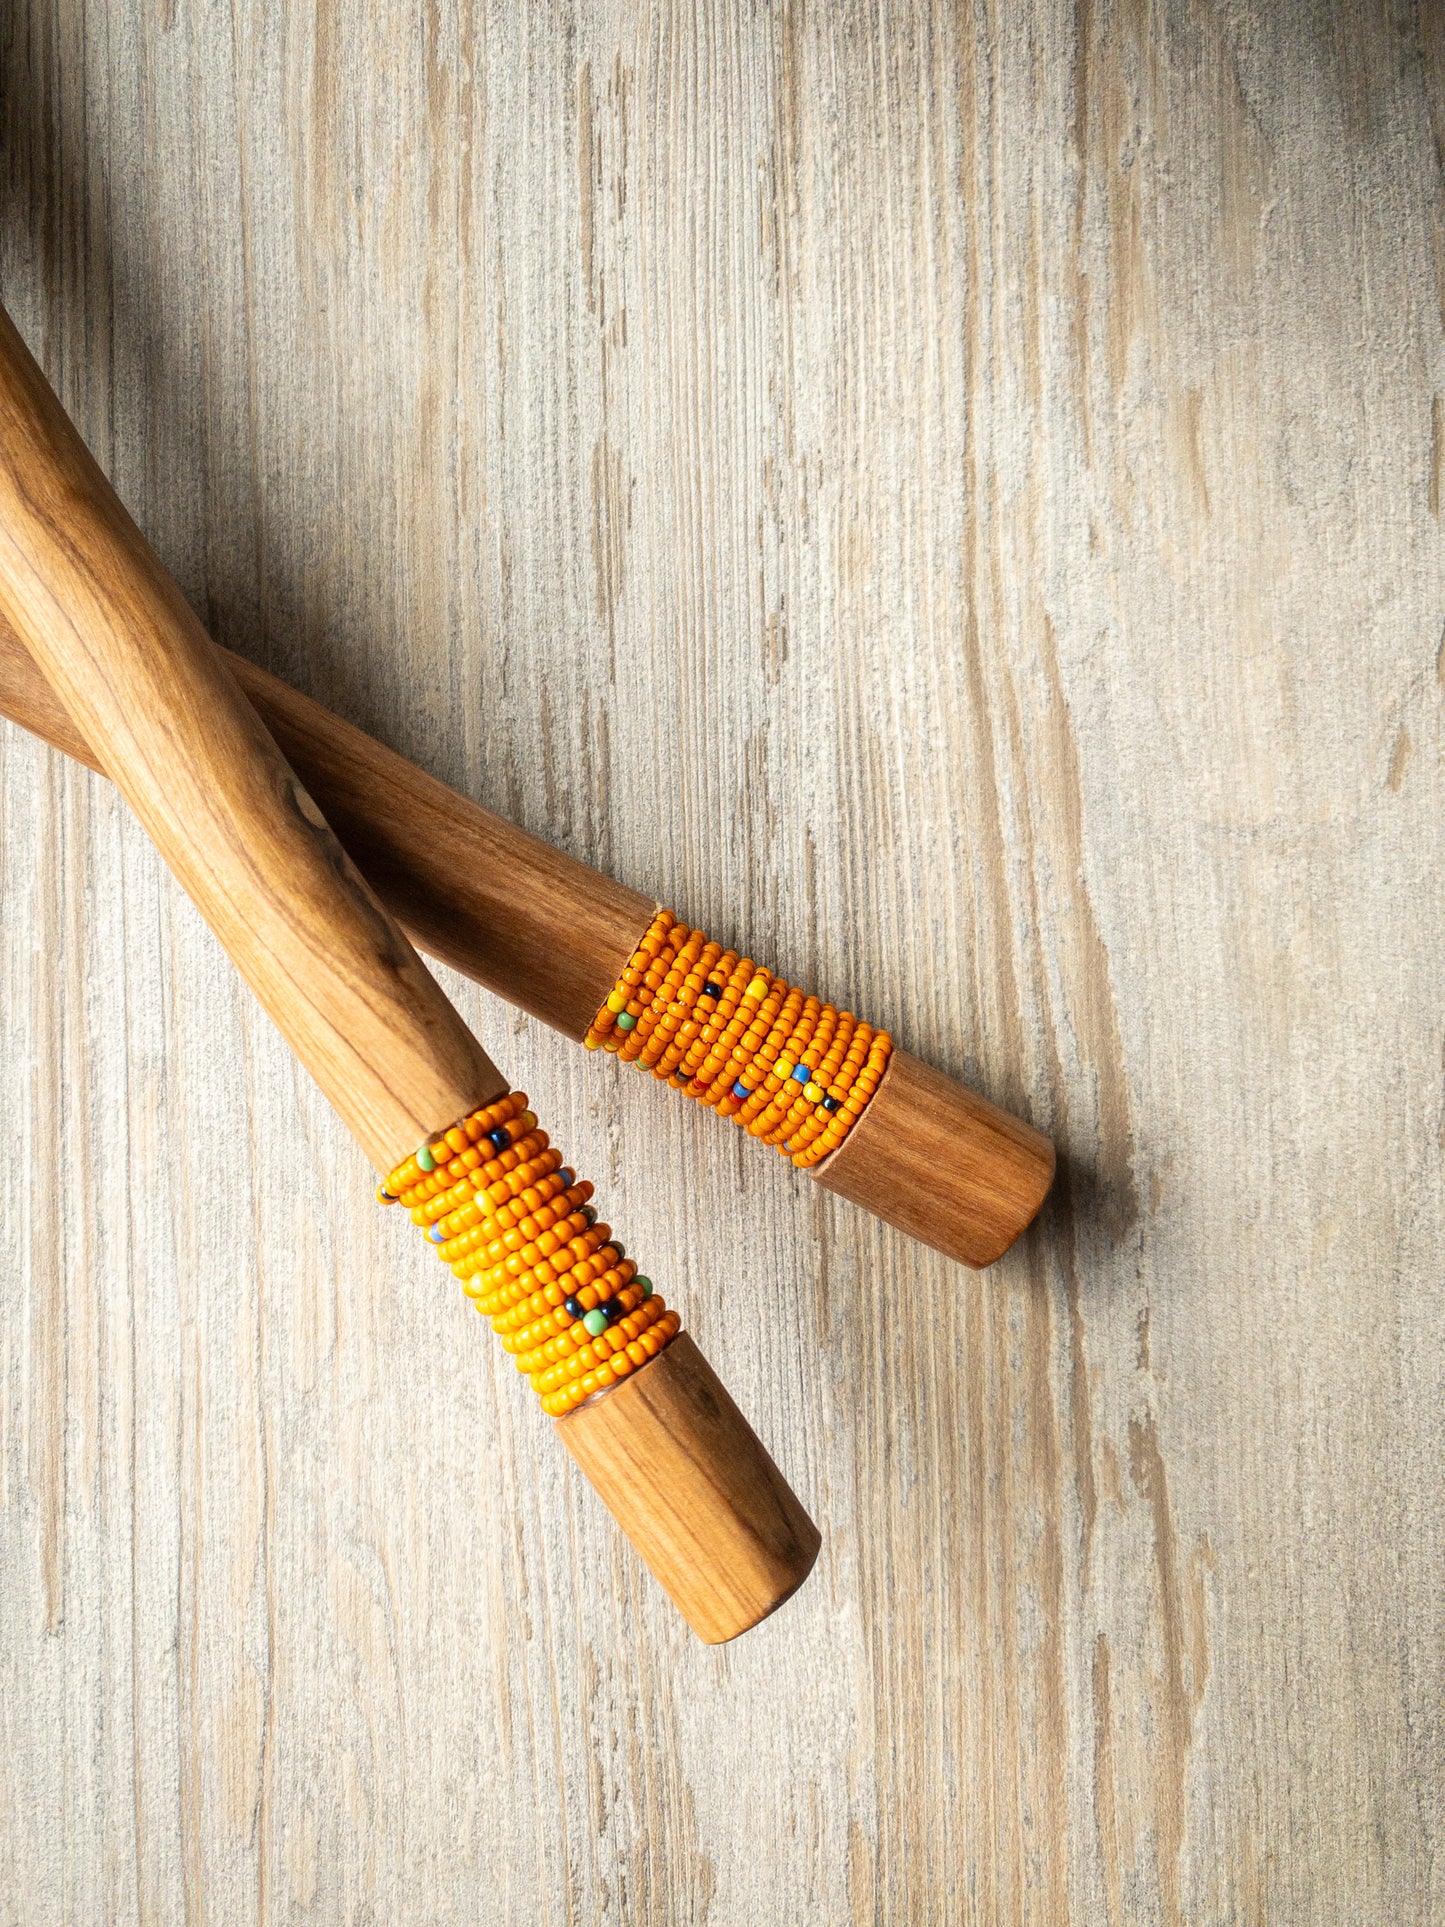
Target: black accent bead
[[589, 1214], [572, 1308], [612, 1311], [499, 1137], [711, 990], [831, 1103], [620, 1249]]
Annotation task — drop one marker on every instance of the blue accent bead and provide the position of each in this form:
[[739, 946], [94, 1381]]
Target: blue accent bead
[[800, 1073], [500, 1137], [741, 1090], [437, 1235], [568, 1176]]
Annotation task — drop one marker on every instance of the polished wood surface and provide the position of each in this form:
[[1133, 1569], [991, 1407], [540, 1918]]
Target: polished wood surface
[[951, 498], [942, 1164], [86, 595], [28, 699], [683, 1473], [552, 937]]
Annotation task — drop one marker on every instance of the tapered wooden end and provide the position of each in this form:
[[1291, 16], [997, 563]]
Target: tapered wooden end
[[942, 1163], [688, 1480]]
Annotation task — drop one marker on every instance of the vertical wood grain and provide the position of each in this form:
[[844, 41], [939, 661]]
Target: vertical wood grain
[[948, 499]]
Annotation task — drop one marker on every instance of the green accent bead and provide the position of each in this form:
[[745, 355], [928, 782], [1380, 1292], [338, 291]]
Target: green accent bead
[[595, 1323], [425, 1159], [645, 1286], [627, 1021]]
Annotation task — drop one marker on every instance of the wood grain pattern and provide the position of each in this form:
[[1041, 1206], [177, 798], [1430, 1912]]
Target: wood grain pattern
[[683, 1473], [531, 923], [109, 629], [527, 921], [954, 496], [943, 1164]]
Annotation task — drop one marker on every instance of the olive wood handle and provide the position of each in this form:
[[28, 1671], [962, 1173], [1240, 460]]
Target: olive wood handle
[[155, 701]]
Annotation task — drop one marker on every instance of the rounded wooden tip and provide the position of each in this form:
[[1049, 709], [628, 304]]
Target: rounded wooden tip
[[942, 1163], [691, 1484]]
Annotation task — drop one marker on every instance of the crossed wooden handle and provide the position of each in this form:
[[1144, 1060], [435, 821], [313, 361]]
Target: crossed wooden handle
[[152, 699]]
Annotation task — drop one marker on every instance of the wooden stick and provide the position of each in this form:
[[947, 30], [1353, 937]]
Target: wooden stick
[[991, 1170], [551, 936], [140, 679], [155, 702], [670, 1516], [522, 919]]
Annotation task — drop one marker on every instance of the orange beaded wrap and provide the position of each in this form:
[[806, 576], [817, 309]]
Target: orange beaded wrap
[[735, 1037], [516, 1227]]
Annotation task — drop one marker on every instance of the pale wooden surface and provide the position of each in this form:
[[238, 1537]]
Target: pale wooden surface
[[954, 501]]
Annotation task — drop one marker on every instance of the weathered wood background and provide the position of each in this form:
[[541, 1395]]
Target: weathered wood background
[[951, 498]]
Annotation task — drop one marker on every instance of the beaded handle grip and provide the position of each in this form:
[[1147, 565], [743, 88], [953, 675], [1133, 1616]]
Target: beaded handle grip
[[516, 1226], [786, 1067]]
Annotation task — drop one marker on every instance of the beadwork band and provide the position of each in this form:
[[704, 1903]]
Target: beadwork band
[[789, 1069], [515, 1225]]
